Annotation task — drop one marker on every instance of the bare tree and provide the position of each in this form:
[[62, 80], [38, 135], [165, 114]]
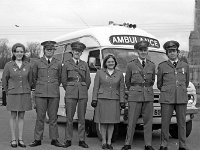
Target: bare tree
[[5, 52], [34, 48]]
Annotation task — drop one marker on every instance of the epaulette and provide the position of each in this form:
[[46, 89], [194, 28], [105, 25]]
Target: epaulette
[[132, 60], [162, 62], [150, 61]]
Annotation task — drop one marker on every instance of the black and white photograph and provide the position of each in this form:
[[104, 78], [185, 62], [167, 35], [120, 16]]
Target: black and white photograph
[[100, 74]]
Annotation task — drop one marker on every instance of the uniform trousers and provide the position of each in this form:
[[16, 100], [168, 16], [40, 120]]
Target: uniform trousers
[[166, 113], [49, 105], [134, 111], [70, 105]]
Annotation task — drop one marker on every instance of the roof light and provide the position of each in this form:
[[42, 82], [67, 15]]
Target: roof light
[[124, 24]]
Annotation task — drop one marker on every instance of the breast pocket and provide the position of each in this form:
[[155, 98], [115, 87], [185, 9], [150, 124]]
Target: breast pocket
[[135, 76], [149, 75], [70, 72], [42, 71], [181, 74], [54, 71]]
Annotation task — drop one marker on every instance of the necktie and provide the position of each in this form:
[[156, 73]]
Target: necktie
[[77, 62], [48, 61], [143, 63], [175, 63]]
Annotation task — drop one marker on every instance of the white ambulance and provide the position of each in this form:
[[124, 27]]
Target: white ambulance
[[119, 40]]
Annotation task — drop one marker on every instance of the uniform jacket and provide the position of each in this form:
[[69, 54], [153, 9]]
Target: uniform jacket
[[135, 73], [109, 86], [173, 82], [47, 77], [76, 89], [17, 80]]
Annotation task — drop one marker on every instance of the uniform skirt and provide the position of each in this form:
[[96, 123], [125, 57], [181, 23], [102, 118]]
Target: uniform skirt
[[18, 102], [107, 111]]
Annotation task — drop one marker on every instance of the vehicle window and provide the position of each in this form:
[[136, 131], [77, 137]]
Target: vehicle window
[[124, 56], [94, 60]]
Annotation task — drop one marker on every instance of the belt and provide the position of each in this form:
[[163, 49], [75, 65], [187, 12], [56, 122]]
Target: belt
[[73, 79], [145, 84]]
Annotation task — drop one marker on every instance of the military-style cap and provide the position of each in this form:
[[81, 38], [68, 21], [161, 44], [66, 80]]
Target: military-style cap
[[141, 44], [78, 46], [171, 45], [49, 44]]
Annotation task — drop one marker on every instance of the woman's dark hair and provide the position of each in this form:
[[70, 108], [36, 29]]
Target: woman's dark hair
[[106, 58], [15, 46]]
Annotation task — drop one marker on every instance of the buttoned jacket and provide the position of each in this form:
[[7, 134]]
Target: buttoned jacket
[[137, 75], [17, 80], [173, 82], [76, 89], [109, 87], [47, 77]]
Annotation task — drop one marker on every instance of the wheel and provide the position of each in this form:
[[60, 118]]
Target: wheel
[[173, 129], [90, 129]]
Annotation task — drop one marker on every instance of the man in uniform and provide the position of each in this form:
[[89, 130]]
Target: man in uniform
[[139, 79], [76, 82], [47, 78], [172, 81]]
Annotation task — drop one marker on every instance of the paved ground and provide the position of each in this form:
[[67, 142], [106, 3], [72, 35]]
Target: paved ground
[[94, 143]]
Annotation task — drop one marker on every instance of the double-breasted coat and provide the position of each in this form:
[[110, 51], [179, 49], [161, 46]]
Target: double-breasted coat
[[173, 82], [108, 90], [47, 79], [76, 82], [139, 82], [17, 83]]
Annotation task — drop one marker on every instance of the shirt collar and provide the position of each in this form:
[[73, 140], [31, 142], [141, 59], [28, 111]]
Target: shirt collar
[[75, 60], [142, 60], [48, 58], [173, 61]]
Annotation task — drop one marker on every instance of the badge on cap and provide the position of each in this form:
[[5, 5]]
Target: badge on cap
[[78, 46]]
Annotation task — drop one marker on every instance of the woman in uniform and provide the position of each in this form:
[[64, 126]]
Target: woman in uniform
[[108, 96], [17, 81]]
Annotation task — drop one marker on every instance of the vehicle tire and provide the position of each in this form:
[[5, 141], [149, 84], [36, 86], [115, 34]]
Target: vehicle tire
[[90, 128], [173, 129]]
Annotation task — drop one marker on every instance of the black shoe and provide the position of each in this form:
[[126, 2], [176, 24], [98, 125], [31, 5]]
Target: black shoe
[[126, 147], [67, 144], [83, 144], [56, 143], [163, 148], [104, 146], [109, 146], [180, 148], [35, 143], [21, 143], [13, 143], [148, 147]]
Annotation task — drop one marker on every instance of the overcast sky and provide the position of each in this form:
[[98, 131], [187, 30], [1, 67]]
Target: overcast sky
[[40, 20]]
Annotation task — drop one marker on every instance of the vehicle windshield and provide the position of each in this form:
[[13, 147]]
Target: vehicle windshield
[[124, 56]]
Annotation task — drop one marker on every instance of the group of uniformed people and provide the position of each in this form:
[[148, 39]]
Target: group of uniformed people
[[47, 74]]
